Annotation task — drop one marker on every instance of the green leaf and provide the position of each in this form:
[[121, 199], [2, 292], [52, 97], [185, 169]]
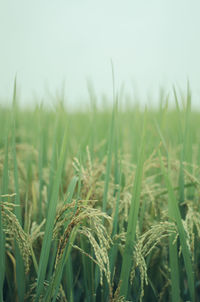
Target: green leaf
[[50, 221], [132, 219], [174, 213]]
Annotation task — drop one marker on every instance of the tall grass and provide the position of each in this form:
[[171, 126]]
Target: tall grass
[[100, 205]]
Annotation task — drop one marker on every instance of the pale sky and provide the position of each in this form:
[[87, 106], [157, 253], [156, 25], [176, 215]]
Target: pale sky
[[152, 43]]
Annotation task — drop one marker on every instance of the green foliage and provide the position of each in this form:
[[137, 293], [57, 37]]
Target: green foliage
[[100, 205]]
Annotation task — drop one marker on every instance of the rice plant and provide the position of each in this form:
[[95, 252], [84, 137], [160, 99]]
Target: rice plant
[[101, 204]]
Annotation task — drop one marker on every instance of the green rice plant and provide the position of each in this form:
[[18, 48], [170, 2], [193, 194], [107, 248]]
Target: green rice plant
[[4, 190], [109, 160], [92, 211], [49, 223], [174, 213], [41, 162], [173, 257], [173, 249], [132, 220], [20, 271]]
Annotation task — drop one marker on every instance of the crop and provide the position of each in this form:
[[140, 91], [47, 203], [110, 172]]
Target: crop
[[100, 204]]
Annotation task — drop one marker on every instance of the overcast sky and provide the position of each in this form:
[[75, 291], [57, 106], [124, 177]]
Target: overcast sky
[[152, 43]]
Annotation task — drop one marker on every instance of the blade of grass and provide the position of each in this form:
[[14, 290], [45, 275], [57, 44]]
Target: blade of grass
[[20, 274], [173, 257], [93, 105], [187, 139], [109, 160], [40, 166], [186, 149], [110, 143], [132, 219], [68, 272], [114, 249], [68, 267], [178, 114], [54, 160], [117, 192], [50, 221], [174, 211], [108, 164], [4, 190], [174, 270], [173, 249], [161, 137]]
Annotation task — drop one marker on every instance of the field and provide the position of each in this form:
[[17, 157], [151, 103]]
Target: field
[[100, 204]]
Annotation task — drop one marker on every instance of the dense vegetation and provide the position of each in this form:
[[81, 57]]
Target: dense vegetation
[[100, 205]]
